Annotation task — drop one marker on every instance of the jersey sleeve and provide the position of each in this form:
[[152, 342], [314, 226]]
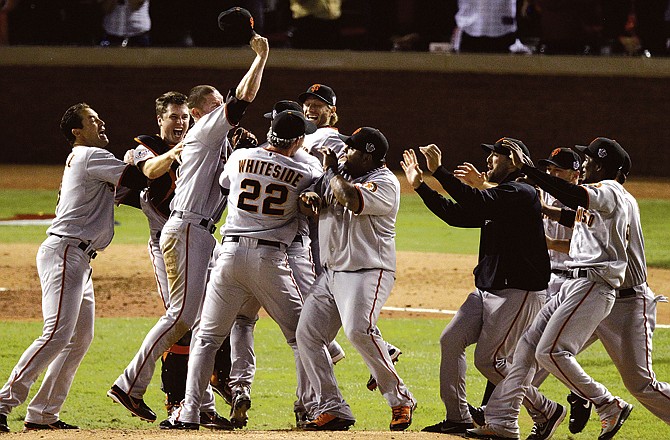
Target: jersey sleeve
[[142, 154], [378, 196], [224, 178], [103, 166], [601, 196]]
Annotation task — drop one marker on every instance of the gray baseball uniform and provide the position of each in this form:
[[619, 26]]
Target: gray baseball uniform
[[84, 224], [564, 324], [260, 225], [358, 254], [186, 243]]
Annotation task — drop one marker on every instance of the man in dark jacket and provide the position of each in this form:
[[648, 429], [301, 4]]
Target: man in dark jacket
[[510, 277]]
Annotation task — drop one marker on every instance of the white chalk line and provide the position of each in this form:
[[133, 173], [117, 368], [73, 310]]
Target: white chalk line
[[451, 312]]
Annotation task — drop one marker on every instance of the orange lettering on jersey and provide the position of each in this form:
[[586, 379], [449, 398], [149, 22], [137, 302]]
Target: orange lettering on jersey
[[584, 216]]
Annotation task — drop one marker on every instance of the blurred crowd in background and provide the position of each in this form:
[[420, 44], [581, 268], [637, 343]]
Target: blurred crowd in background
[[584, 27]]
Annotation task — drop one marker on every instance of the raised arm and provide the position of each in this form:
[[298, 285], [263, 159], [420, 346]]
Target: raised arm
[[251, 82]]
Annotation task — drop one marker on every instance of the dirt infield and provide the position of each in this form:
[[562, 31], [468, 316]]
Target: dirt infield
[[125, 285]]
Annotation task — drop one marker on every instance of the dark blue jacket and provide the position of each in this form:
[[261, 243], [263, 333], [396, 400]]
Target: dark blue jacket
[[512, 245]]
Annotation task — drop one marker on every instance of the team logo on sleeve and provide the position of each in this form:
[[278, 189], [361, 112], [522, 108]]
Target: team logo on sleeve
[[141, 154], [370, 186]]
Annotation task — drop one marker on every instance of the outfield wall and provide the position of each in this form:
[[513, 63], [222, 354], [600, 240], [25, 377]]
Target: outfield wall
[[455, 101]]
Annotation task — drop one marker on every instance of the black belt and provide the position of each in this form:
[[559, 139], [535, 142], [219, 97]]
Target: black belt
[[204, 222], [236, 239], [625, 293], [572, 273], [82, 245], [298, 239]]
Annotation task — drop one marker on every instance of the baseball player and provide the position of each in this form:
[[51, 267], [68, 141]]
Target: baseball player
[[302, 265], [186, 239], [510, 278], [356, 234], [627, 331], [319, 105], [264, 187], [565, 323], [84, 225], [157, 157]]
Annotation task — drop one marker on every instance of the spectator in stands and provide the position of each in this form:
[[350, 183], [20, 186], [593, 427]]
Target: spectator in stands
[[316, 24], [126, 23], [485, 25]]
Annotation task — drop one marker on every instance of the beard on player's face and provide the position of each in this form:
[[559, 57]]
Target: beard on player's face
[[500, 166]]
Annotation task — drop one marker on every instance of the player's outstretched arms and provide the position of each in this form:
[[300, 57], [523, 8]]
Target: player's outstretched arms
[[410, 166]]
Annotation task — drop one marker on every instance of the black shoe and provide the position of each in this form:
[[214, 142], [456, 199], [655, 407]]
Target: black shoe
[[580, 411], [59, 424], [212, 420], [449, 427], [301, 419], [241, 404], [477, 415], [328, 422], [172, 424], [136, 406], [4, 427], [543, 431]]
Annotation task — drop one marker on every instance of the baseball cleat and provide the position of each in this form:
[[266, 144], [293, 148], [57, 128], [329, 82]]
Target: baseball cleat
[[395, 353], [580, 411], [401, 418], [544, 431], [58, 424], [212, 420], [174, 424], [136, 406], [612, 424], [221, 387], [329, 422], [448, 427], [241, 404], [4, 427], [477, 415]]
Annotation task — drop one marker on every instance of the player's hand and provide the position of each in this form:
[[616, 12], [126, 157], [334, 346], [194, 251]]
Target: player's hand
[[433, 157], [129, 157], [260, 45], [243, 138], [410, 165], [175, 152], [470, 175], [329, 158], [517, 155], [310, 204]]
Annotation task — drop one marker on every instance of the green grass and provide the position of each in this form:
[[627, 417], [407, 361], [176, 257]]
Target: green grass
[[273, 392], [417, 228]]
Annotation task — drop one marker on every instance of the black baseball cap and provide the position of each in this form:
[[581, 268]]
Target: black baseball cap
[[368, 140], [324, 93], [499, 148], [291, 124], [606, 151], [563, 158], [237, 25], [280, 106]]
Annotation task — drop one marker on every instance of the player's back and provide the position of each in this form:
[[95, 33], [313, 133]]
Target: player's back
[[264, 190]]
